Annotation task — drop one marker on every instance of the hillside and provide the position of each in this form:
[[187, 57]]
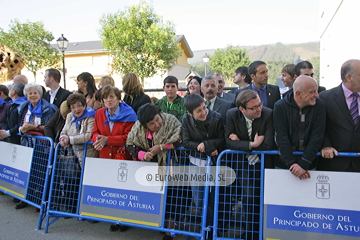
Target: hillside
[[271, 52]]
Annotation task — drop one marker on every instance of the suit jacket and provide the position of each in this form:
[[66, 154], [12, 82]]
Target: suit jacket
[[273, 94], [236, 123], [61, 95], [228, 97], [341, 133], [221, 106]]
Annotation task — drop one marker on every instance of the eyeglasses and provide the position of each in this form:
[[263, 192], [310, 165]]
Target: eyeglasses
[[254, 108], [74, 107]]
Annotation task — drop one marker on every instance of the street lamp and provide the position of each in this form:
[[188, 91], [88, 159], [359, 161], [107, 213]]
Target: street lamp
[[62, 43], [205, 60]]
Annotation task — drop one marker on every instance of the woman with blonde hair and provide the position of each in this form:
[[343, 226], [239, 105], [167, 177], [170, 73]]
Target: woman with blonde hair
[[134, 92], [106, 80]]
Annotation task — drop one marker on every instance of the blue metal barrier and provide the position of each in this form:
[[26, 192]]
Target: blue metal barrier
[[178, 215], [38, 176], [237, 213]]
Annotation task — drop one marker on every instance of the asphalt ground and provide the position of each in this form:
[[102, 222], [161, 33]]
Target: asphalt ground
[[21, 224]]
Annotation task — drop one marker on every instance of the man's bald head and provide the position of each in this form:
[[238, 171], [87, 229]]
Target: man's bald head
[[20, 79], [305, 90]]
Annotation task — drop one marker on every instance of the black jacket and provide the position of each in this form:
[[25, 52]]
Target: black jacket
[[137, 101], [298, 130], [210, 132], [12, 123], [61, 95], [54, 127]]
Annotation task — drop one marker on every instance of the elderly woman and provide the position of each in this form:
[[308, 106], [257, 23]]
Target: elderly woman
[[134, 92], [78, 127], [194, 86], [86, 86], [33, 115], [111, 128], [150, 138], [11, 125], [35, 112]]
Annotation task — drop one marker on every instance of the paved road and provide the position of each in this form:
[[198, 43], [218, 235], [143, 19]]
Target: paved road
[[21, 224]]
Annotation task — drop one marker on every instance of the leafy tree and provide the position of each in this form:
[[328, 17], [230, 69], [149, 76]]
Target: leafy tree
[[139, 41], [226, 61], [32, 42], [200, 69], [275, 68]]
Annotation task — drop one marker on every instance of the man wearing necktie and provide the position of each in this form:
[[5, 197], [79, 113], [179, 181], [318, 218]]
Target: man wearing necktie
[[209, 87], [299, 122], [249, 127], [342, 132], [268, 93]]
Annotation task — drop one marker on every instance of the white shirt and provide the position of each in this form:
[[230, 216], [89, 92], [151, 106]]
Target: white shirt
[[52, 95]]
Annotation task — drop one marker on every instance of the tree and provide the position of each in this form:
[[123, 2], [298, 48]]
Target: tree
[[226, 61], [32, 42], [139, 41], [200, 69]]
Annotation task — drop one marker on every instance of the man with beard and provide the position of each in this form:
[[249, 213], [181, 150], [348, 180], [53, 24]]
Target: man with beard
[[209, 87], [57, 94], [268, 94]]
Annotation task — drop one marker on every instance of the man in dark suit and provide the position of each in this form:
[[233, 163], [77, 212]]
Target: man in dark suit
[[57, 94], [220, 93], [241, 78], [209, 87], [342, 132], [249, 127], [269, 94]]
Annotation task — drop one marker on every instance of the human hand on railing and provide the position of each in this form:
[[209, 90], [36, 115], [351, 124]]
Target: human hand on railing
[[215, 153], [201, 147], [328, 152], [233, 136], [257, 141], [65, 141], [305, 175], [148, 156], [100, 142], [27, 127], [3, 134], [155, 150], [296, 170]]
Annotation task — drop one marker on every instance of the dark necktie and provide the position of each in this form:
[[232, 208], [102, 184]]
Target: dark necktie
[[208, 103], [354, 108]]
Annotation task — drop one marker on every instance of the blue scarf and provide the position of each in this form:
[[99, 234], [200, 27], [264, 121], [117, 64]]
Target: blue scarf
[[37, 111], [19, 100], [2, 102], [88, 112], [127, 114]]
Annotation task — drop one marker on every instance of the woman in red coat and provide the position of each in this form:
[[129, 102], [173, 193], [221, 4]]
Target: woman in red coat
[[112, 125], [111, 128]]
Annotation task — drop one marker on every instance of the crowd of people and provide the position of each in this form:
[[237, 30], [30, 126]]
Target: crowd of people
[[207, 119]]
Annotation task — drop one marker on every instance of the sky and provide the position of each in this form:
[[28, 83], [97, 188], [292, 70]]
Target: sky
[[206, 24]]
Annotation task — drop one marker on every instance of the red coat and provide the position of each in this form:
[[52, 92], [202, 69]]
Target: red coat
[[116, 138]]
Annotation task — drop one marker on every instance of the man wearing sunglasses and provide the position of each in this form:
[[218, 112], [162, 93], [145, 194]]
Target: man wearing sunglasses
[[299, 123]]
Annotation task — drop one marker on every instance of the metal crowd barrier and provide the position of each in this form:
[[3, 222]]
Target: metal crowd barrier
[[26, 172], [238, 207], [73, 194]]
